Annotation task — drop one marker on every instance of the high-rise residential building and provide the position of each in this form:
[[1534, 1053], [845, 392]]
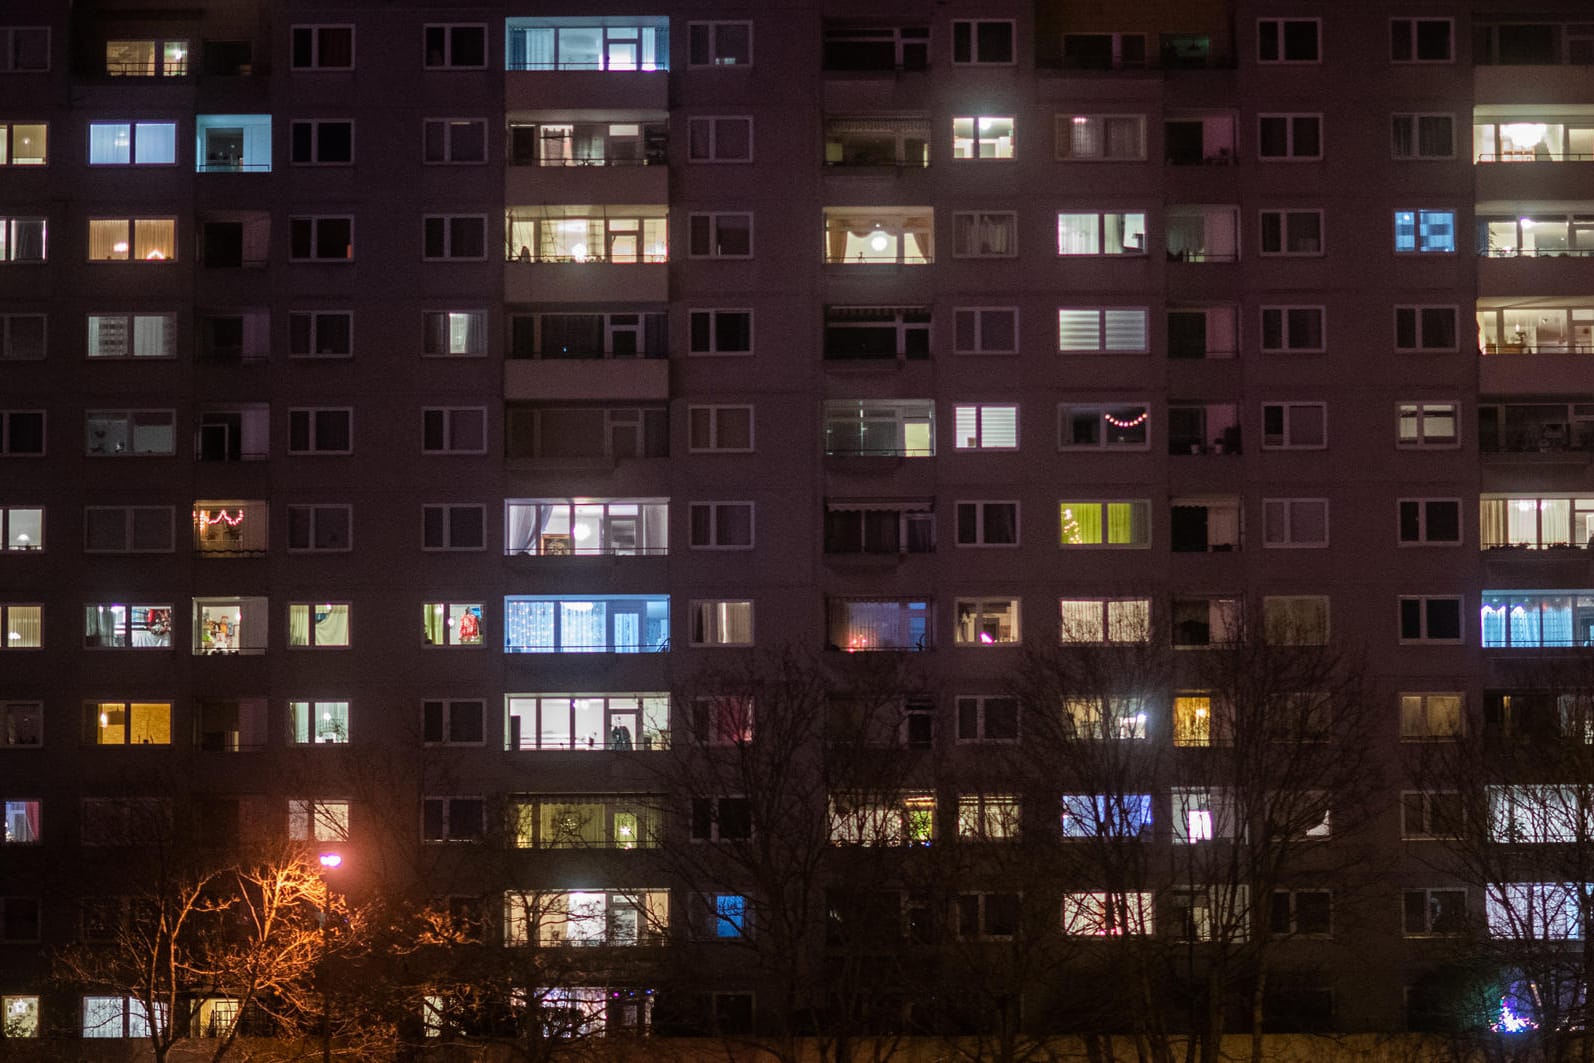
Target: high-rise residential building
[[420, 420]]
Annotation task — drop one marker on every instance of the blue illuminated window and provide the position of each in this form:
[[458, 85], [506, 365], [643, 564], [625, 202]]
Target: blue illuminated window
[[730, 915], [613, 44], [232, 143], [615, 623], [132, 143], [1425, 231]]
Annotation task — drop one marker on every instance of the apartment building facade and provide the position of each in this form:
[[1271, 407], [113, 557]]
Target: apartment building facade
[[518, 365]]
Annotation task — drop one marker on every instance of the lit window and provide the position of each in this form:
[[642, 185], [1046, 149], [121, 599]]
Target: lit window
[[1119, 427], [1103, 914], [232, 143], [722, 623], [229, 626], [988, 817], [125, 433], [22, 239], [1110, 329], [1534, 911], [1116, 815], [629, 45], [985, 426], [132, 335], [1196, 724], [120, 1016], [146, 59], [1201, 815], [123, 723], [21, 528], [23, 822], [1104, 719], [982, 137], [866, 624], [316, 820], [588, 722], [1426, 424], [1104, 523], [615, 623], [1101, 138], [115, 626], [903, 819], [572, 234], [318, 625], [563, 527], [986, 621], [1424, 716], [19, 1015], [22, 625], [879, 235], [451, 624], [1101, 233], [1100, 621], [132, 143], [132, 239], [1425, 231]]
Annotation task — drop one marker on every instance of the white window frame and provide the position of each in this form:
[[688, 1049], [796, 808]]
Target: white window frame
[[976, 138], [709, 223], [446, 223], [447, 141], [1284, 215], [314, 125], [313, 510], [979, 508], [131, 239], [978, 329], [128, 514], [710, 416], [1421, 505], [315, 31], [984, 606], [1280, 513], [962, 412], [12, 541], [708, 126], [1416, 310], [447, 62], [8, 143], [711, 621], [6, 644], [129, 416], [446, 512], [708, 34], [445, 418], [1417, 248], [315, 221], [712, 511], [130, 334], [1140, 519], [712, 316], [1283, 440], [1065, 411], [1419, 723], [1062, 134], [329, 726], [1289, 118], [1104, 316], [1423, 602], [1409, 25], [314, 333], [1283, 315], [310, 414], [980, 736], [972, 54], [318, 819], [133, 126], [1416, 153], [1421, 411], [9, 225], [123, 637], [1273, 28], [9, 344], [971, 225], [1101, 217]]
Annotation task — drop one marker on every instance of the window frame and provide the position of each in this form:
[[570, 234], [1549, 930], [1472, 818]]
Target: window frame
[[1417, 310], [129, 321], [310, 629], [707, 224], [980, 736], [8, 431], [1422, 538], [10, 50], [1283, 441], [1424, 603], [1289, 118], [17, 542], [447, 510], [980, 411], [1413, 40], [713, 413], [446, 426], [1425, 716], [1284, 216], [133, 126], [1062, 123], [10, 346], [711, 316], [131, 239], [447, 808], [445, 720], [980, 540], [315, 221], [310, 416], [712, 510], [1419, 217], [987, 608], [974, 230], [710, 30], [1139, 519], [9, 241], [1428, 829], [314, 125], [699, 609], [129, 529], [313, 509], [446, 141], [445, 225], [1276, 29], [1286, 508], [1284, 313], [978, 330], [1416, 120], [713, 154], [1421, 411], [313, 334], [316, 43], [971, 48], [447, 62]]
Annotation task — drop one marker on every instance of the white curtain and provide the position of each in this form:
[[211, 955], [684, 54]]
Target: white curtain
[[110, 143], [152, 336], [583, 627]]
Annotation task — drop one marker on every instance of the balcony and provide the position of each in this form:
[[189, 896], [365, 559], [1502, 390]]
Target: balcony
[[560, 379], [596, 62]]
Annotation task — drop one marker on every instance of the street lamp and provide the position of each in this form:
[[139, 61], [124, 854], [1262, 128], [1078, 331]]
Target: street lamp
[[329, 862]]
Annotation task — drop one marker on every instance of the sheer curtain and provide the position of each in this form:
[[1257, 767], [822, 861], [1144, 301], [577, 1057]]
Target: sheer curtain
[[156, 143], [583, 627], [110, 143], [152, 335]]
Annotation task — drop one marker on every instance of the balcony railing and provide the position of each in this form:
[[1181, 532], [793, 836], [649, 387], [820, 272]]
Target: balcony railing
[[1531, 155]]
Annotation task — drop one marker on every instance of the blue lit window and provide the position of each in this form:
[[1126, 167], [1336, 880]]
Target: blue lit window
[[730, 915], [615, 623], [232, 143], [1106, 815], [1425, 231], [614, 44], [132, 143]]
